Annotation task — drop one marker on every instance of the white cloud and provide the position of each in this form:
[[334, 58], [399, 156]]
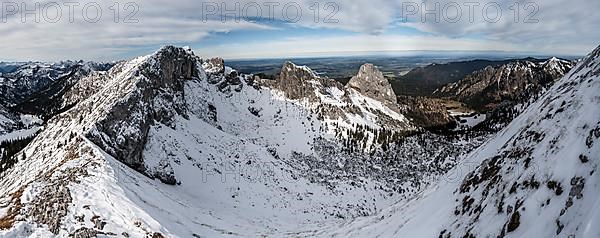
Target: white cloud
[[159, 23], [549, 25], [359, 44], [564, 27]]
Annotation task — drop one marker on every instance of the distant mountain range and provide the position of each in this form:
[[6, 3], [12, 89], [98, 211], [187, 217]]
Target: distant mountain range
[[423, 81], [486, 88], [410, 76]]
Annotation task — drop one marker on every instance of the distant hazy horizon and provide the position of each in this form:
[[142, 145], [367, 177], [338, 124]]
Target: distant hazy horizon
[[346, 66]]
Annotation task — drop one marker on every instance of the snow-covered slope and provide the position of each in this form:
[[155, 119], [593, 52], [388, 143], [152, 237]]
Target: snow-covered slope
[[169, 145], [537, 178]]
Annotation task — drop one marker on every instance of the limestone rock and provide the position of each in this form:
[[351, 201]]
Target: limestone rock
[[370, 82], [153, 93], [214, 66]]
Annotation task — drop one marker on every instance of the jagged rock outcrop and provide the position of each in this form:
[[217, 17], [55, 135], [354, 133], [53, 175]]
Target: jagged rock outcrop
[[227, 79], [519, 81], [300, 82], [370, 82], [422, 111], [150, 91], [350, 113], [214, 66]]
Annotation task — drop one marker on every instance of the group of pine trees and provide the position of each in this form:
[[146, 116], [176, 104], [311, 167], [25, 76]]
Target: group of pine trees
[[8, 150], [360, 137]]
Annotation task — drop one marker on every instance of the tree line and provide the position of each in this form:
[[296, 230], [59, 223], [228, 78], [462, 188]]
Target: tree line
[[8, 150]]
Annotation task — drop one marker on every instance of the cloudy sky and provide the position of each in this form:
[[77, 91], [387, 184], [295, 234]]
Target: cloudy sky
[[112, 30]]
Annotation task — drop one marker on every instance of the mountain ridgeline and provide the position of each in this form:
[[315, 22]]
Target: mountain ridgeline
[[423, 81], [148, 130], [516, 81], [538, 177], [504, 91], [173, 145]]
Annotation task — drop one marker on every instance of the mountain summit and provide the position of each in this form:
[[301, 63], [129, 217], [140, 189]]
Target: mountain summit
[[371, 82]]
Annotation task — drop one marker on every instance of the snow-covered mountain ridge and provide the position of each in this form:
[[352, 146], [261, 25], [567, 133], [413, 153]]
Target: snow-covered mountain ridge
[[23, 79], [537, 178], [170, 145], [177, 146]]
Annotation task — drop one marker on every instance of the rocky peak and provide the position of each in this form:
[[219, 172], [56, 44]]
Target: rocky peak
[[214, 66], [299, 82], [291, 71], [370, 82], [135, 95], [170, 64], [557, 67]]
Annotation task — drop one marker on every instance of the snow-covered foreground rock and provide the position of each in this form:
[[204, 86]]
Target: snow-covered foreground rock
[[170, 145], [537, 178]]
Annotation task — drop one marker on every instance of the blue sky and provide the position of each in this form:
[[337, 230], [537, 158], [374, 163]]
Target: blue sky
[[563, 28], [282, 30]]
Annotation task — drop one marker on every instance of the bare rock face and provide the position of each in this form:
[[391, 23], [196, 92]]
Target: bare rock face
[[303, 84], [300, 82], [370, 82], [214, 66], [155, 92], [295, 81]]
